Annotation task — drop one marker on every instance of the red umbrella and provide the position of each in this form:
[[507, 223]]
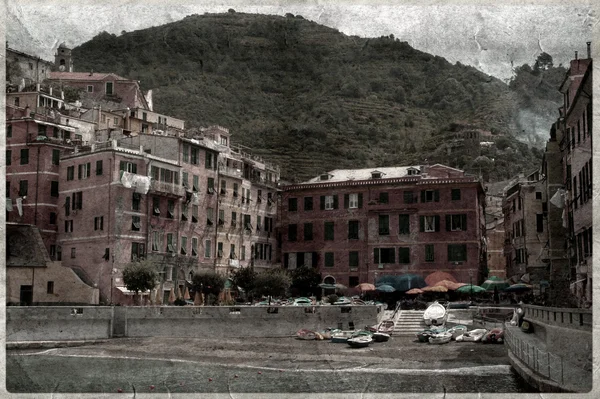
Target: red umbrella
[[449, 284], [438, 276], [414, 291], [364, 287]]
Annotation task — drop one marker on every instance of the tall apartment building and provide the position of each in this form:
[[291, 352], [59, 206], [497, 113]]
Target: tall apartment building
[[357, 225]]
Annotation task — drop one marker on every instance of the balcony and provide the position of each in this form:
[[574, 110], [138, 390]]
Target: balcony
[[161, 187], [232, 172], [263, 181], [234, 263]]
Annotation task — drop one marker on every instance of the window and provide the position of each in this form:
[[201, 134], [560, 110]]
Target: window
[[329, 202], [384, 225], [83, 171], [235, 189], [135, 223], [232, 252], [223, 187], [430, 195], [16, 101], [429, 253], [455, 194], [55, 157], [353, 227], [233, 219], [211, 185], [155, 240], [23, 187], [456, 222], [329, 261], [99, 223], [90, 88], [258, 223], [138, 251], [196, 183], [308, 203], [73, 253], [538, 195], [135, 201], [50, 287], [156, 206], [221, 220], [7, 188], [308, 231], [183, 245], [128, 167], [384, 198], [8, 157], [353, 259], [243, 252], [409, 197], [292, 204], [519, 202], [457, 252], [384, 255], [404, 224], [52, 218], [170, 244], [68, 226], [194, 246], [207, 247], [208, 162], [270, 199], [539, 219], [292, 232], [429, 224], [9, 131], [403, 255], [109, 88], [24, 156], [248, 222], [41, 130], [70, 173], [329, 231], [54, 189], [219, 250], [170, 209], [209, 216], [99, 168]]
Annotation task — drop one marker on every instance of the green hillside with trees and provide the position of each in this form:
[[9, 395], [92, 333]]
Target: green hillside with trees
[[312, 99]]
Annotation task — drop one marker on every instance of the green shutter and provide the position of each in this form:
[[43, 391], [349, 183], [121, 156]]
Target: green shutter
[[422, 195], [360, 200], [89, 168], [376, 256], [346, 201], [421, 223], [437, 223], [436, 195], [464, 222], [322, 202], [79, 167], [448, 223], [335, 202]]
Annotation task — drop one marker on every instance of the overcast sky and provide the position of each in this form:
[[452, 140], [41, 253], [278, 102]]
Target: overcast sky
[[476, 32]]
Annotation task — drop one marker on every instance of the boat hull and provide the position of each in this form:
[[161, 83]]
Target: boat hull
[[360, 342], [381, 337], [435, 314]]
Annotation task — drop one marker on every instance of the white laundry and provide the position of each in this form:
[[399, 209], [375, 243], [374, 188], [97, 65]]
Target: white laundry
[[20, 206], [558, 199], [9, 205]]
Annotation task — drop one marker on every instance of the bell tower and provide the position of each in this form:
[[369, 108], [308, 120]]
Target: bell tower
[[63, 60]]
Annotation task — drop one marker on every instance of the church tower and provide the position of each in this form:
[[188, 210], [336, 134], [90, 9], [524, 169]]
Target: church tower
[[62, 59]]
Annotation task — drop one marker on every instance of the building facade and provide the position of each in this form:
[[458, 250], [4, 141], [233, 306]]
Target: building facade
[[358, 225], [24, 70]]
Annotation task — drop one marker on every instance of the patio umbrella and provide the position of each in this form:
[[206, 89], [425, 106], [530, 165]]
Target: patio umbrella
[[186, 295], [438, 276], [449, 285], [414, 291], [171, 296], [364, 287], [179, 293], [468, 288], [520, 287], [385, 288], [198, 298], [495, 282], [403, 282], [158, 300], [435, 288]]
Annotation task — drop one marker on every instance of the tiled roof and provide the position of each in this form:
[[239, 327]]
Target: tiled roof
[[363, 174], [94, 76]]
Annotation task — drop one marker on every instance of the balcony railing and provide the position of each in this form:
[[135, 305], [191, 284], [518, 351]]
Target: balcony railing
[[233, 172], [167, 188]]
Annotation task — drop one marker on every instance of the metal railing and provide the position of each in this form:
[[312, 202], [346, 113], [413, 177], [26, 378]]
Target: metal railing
[[542, 362]]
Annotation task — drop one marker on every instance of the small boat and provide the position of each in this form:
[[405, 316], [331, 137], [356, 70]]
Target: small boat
[[386, 326], [494, 336], [435, 314], [459, 305], [472, 336], [360, 342], [302, 302], [306, 334], [341, 337], [457, 330], [381, 337], [424, 335], [441, 338], [343, 301], [362, 333], [328, 332]]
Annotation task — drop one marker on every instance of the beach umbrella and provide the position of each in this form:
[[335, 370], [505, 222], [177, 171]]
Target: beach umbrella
[[179, 292], [158, 300], [364, 287], [435, 277], [171, 296], [519, 287], [385, 288], [435, 288], [468, 288], [414, 291], [403, 282], [495, 282], [449, 285], [198, 298]]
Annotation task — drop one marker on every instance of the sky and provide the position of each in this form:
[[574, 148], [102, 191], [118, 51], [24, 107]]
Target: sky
[[493, 38]]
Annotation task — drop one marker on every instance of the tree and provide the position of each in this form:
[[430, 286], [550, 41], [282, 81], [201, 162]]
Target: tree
[[543, 61], [140, 276], [244, 278], [305, 280], [208, 283], [274, 282]]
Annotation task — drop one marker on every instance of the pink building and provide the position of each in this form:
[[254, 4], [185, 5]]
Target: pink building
[[357, 225]]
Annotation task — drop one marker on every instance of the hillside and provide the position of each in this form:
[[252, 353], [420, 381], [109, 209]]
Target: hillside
[[311, 98]]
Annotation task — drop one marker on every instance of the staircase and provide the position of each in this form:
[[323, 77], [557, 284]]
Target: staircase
[[409, 322]]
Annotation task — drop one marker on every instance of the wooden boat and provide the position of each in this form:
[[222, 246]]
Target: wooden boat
[[306, 334], [472, 336], [381, 337], [457, 330], [441, 338], [360, 342], [386, 326], [341, 337], [435, 314]]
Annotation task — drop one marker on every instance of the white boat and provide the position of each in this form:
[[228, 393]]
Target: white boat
[[381, 337], [341, 336], [457, 331], [472, 336], [361, 341], [435, 314], [441, 338]]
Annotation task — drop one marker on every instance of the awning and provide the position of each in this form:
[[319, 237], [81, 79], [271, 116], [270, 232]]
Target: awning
[[125, 291], [63, 127]]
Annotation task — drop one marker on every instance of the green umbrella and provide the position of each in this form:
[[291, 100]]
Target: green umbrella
[[385, 288], [467, 289], [495, 282]]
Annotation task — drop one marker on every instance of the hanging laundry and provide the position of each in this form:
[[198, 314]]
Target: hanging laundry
[[9, 205], [558, 199], [20, 206]]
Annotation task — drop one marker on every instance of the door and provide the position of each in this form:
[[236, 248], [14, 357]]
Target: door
[[26, 297]]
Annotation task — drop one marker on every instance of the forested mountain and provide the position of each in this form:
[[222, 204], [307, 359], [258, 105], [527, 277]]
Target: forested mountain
[[313, 99]]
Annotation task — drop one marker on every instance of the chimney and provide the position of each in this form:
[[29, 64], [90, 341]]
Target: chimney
[[589, 50], [576, 55]]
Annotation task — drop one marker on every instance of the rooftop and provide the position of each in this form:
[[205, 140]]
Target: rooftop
[[87, 76]]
